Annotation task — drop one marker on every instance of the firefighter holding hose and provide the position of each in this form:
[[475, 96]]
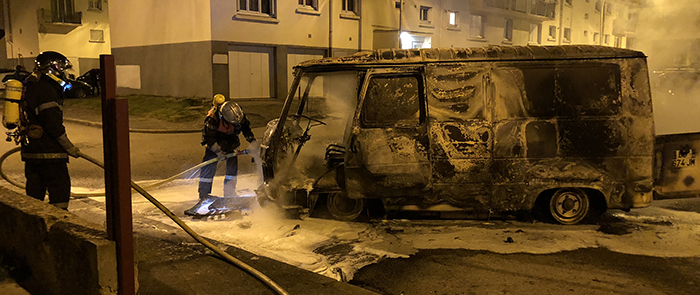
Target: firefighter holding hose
[[46, 148], [222, 127]]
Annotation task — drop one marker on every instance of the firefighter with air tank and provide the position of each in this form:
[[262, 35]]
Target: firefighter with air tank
[[34, 108]]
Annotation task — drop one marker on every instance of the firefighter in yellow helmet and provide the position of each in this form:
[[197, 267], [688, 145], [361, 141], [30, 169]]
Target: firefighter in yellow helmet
[[46, 150], [222, 127]]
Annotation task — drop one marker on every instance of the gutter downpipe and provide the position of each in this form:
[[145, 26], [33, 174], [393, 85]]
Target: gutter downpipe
[[400, 22], [561, 20], [359, 26], [330, 28], [602, 22]]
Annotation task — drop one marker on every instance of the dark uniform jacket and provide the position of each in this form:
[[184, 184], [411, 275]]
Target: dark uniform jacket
[[44, 108], [219, 131]]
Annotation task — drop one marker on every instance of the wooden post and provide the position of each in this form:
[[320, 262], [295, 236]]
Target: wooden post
[[115, 132]]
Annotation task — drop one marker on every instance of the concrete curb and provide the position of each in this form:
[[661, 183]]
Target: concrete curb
[[134, 130], [57, 252]]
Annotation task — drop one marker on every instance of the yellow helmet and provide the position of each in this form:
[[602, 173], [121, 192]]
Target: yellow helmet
[[219, 99]]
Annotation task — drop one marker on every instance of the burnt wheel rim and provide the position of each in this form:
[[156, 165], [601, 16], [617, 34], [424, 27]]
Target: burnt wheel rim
[[344, 208], [569, 206]]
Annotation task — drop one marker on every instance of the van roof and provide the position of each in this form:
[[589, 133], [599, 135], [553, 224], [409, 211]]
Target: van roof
[[489, 53]]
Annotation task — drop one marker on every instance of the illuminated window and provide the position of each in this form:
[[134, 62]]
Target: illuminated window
[[350, 6], [257, 6], [95, 5], [452, 19], [476, 28], [309, 3], [425, 13], [97, 36], [535, 31], [508, 30]]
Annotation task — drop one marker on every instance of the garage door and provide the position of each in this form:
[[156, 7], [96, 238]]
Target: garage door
[[293, 59], [249, 73]]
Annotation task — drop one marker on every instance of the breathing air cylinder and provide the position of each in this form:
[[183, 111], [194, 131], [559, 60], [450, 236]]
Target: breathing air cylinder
[[13, 96]]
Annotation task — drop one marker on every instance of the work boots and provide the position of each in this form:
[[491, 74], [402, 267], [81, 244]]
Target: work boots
[[202, 207]]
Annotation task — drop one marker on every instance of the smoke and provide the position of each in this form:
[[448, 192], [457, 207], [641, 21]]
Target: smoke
[[667, 32]]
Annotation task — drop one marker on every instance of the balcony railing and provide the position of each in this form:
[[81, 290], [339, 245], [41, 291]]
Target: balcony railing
[[58, 17], [59, 23]]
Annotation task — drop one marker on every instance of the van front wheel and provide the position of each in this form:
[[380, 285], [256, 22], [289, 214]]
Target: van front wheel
[[569, 205], [343, 208]]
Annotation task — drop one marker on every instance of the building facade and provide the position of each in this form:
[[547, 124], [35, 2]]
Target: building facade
[[78, 29], [246, 49]]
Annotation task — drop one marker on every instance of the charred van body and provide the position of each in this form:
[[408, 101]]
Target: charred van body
[[503, 128]]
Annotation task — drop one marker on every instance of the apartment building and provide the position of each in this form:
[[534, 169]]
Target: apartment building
[[77, 28], [246, 49]]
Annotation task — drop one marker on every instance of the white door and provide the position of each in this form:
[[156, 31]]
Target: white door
[[249, 74], [294, 59]]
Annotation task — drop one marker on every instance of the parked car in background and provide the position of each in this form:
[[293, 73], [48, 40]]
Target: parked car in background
[[92, 78], [79, 89]]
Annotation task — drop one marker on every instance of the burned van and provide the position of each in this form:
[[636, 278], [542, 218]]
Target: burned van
[[566, 129]]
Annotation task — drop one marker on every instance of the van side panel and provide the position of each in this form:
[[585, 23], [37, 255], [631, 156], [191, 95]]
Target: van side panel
[[460, 135], [569, 124]]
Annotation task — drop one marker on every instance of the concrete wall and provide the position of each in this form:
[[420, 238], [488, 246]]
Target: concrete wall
[[56, 252], [178, 69], [155, 22]]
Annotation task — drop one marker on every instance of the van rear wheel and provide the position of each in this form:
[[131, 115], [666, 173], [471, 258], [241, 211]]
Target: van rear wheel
[[343, 208], [569, 205]]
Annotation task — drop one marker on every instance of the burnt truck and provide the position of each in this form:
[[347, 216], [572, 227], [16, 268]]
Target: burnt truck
[[565, 130]]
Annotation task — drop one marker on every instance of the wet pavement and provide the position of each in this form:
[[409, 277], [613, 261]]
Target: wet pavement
[[394, 256]]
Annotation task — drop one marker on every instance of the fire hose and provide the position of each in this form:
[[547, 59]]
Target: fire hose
[[240, 264]]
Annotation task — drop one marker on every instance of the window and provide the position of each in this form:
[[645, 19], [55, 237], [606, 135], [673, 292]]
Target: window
[[452, 19], [398, 96], [63, 11], [569, 2], [567, 34], [508, 30], [257, 6], [596, 38], [476, 28], [608, 8], [585, 15], [95, 5], [546, 8], [535, 31], [552, 33], [309, 3], [350, 6], [607, 39], [97, 36], [585, 33], [598, 6], [618, 42], [425, 13]]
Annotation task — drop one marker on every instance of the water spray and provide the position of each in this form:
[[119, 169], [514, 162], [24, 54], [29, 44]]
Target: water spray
[[240, 264]]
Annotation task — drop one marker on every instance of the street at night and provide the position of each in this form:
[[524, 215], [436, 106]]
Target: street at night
[[350, 147]]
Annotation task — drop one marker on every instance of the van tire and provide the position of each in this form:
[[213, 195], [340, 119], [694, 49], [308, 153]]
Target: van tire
[[569, 205], [343, 208]]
